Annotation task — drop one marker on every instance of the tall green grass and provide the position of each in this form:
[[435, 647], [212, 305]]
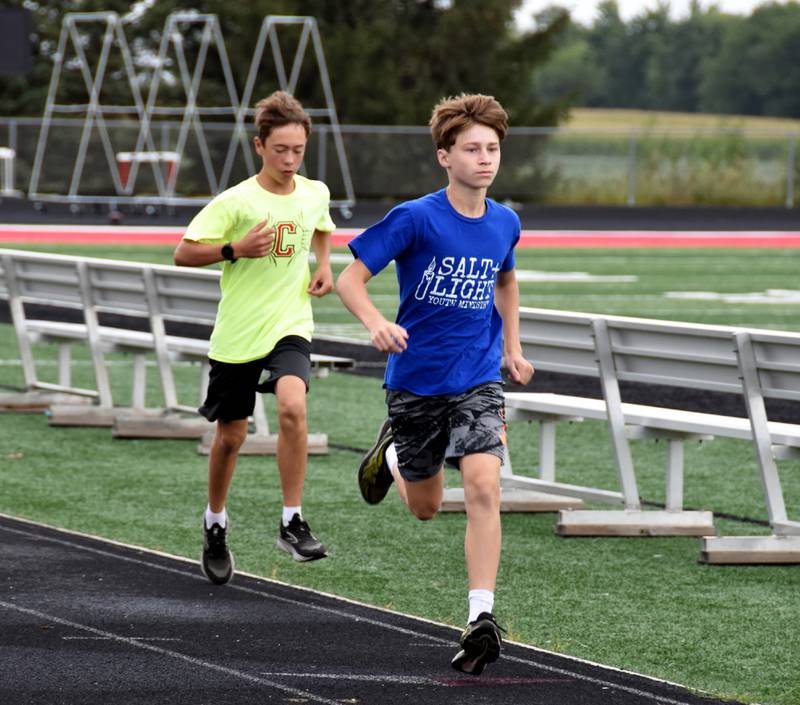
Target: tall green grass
[[682, 168], [680, 158], [625, 119]]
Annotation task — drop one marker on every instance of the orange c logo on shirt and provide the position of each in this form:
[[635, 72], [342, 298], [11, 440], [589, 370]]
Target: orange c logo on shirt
[[282, 249]]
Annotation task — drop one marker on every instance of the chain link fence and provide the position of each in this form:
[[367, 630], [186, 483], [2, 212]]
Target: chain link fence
[[564, 166]]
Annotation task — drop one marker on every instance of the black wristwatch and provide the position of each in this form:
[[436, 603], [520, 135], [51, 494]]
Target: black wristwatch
[[227, 252]]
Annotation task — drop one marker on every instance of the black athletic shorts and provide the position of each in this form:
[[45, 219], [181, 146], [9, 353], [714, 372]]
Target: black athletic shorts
[[232, 387], [429, 430]]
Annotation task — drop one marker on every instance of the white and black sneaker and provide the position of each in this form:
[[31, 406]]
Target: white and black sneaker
[[216, 560], [298, 541]]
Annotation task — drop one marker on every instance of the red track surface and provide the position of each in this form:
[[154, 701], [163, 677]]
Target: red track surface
[[148, 235]]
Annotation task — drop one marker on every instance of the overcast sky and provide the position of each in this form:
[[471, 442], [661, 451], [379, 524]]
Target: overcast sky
[[584, 11]]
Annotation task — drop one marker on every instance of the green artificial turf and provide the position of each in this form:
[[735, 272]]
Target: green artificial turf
[[643, 604]]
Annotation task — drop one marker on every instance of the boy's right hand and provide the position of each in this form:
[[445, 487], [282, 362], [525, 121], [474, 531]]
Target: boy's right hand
[[257, 243], [388, 336]]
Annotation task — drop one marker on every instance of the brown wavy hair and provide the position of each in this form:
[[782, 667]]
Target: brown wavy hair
[[452, 115], [279, 109]]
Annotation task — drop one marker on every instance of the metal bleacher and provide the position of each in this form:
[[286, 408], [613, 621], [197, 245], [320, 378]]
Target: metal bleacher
[[121, 307]]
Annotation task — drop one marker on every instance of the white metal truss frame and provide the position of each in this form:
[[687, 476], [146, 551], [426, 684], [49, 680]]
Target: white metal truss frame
[[94, 111], [190, 80], [288, 83], [191, 113]]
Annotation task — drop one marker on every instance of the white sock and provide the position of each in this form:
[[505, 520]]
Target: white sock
[[480, 601], [212, 518], [289, 512], [391, 457]]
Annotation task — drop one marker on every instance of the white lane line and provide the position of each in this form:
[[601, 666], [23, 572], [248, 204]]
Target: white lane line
[[172, 654], [440, 681], [349, 615], [429, 646], [239, 588], [369, 678], [108, 638]]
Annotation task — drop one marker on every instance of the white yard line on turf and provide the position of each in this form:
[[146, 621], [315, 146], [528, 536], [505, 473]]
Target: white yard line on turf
[[11, 362], [533, 276]]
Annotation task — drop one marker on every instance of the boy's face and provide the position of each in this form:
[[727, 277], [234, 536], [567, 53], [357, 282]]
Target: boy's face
[[474, 158], [282, 152]]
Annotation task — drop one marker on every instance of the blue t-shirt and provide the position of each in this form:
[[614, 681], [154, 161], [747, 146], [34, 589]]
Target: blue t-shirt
[[447, 267]]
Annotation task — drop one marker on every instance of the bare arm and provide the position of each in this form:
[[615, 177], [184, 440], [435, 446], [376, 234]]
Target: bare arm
[[352, 289], [257, 243], [506, 300], [322, 279], [189, 253]]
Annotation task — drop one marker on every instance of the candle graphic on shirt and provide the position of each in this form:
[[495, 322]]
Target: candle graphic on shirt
[[425, 282]]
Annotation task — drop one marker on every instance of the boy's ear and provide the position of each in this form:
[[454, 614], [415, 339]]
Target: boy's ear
[[444, 157]]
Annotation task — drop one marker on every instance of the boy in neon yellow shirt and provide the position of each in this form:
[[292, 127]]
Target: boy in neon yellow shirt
[[263, 229]]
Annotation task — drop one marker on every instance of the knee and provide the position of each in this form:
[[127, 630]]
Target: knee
[[292, 415], [230, 439], [424, 511], [483, 494]]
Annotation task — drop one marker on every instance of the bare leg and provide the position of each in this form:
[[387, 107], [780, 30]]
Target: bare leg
[[290, 392], [228, 438], [423, 498], [481, 475]]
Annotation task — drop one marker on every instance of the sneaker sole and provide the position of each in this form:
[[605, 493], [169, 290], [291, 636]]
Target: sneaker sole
[[214, 579], [368, 492], [476, 653], [290, 549]]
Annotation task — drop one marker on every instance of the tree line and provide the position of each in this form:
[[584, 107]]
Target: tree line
[[706, 62], [389, 60]]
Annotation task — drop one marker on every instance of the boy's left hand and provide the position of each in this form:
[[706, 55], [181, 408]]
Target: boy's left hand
[[519, 369], [321, 281]]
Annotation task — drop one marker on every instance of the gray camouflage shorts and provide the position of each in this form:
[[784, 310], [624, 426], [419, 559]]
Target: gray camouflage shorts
[[429, 430]]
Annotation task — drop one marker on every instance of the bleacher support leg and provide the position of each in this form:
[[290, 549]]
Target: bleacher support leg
[[784, 545]]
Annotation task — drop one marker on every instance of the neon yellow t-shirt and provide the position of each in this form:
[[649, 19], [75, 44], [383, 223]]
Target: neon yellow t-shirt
[[264, 299]]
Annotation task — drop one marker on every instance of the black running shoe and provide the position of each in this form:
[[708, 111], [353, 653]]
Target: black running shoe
[[298, 541], [217, 560], [480, 644], [374, 475]]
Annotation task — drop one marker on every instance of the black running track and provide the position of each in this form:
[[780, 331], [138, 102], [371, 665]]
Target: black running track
[[86, 621]]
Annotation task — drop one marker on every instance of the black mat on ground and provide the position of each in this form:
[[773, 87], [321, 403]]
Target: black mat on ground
[[86, 621]]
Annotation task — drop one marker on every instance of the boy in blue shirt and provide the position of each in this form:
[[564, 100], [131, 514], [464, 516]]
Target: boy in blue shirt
[[457, 322]]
